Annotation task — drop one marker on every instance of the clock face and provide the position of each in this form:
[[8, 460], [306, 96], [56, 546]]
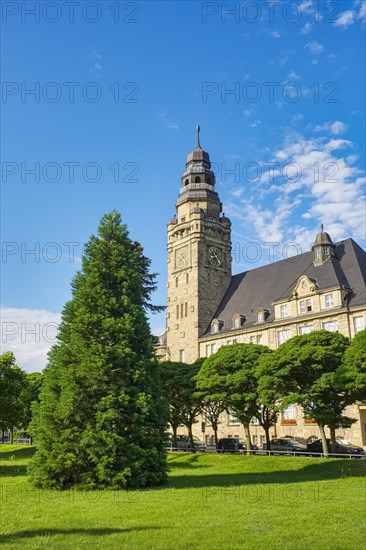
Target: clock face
[[181, 257], [214, 255]]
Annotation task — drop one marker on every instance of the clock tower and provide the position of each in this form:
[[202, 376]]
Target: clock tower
[[199, 258]]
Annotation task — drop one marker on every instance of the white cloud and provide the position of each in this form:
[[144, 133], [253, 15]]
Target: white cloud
[[306, 28], [255, 124], [335, 128], [346, 19], [297, 116], [362, 13], [293, 76], [94, 60], [314, 47], [29, 334], [275, 34], [306, 7], [314, 181], [168, 122]]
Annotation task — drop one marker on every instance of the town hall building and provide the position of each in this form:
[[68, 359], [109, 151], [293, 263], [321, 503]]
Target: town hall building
[[208, 307]]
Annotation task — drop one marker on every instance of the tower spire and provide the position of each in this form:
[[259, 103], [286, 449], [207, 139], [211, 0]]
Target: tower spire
[[198, 129]]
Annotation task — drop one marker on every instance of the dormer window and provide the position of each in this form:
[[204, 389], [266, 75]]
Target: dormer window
[[238, 320], [216, 325], [326, 250], [261, 314]]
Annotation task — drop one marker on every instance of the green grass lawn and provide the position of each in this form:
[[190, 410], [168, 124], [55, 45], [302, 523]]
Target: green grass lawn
[[211, 501]]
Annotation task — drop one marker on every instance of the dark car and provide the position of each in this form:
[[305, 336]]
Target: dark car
[[340, 449], [183, 443], [287, 445], [231, 445]]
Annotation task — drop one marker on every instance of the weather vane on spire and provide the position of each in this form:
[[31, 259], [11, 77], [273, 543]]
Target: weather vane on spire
[[321, 227], [198, 129]]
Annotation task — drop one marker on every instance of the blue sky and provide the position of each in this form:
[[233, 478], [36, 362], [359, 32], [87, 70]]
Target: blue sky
[[278, 92]]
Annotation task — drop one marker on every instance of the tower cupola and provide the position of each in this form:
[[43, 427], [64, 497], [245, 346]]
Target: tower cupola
[[198, 166], [323, 247]]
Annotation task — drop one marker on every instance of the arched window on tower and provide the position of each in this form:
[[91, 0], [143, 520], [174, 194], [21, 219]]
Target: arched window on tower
[[186, 182], [197, 179], [208, 180]]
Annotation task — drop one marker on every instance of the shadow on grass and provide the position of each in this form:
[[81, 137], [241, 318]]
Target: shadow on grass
[[12, 537], [325, 471], [190, 462], [19, 454], [12, 470]]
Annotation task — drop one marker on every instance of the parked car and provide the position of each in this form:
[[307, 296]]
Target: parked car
[[232, 445], [340, 449], [183, 443], [289, 444]]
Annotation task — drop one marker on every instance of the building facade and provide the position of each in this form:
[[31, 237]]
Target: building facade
[[207, 307]]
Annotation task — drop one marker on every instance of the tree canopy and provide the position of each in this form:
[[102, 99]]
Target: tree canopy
[[305, 370], [13, 393], [229, 377]]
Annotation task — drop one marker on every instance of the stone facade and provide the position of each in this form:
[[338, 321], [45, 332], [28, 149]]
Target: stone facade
[[208, 308]]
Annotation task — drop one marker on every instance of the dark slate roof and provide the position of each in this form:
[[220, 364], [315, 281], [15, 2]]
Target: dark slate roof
[[261, 287]]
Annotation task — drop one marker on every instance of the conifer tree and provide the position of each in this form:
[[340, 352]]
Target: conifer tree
[[101, 418]]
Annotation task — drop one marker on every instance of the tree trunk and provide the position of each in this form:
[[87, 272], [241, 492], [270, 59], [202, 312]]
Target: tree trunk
[[247, 437], [332, 437], [2, 436], [215, 435], [268, 440], [191, 442], [11, 436], [324, 441], [174, 440]]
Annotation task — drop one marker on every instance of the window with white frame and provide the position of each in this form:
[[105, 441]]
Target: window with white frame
[[181, 355], [213, 348], [305, 306], [237, 322], [329, 301], [260, 317], [232, 418], [284, 310], [307, 329], [283, 335], [289, 413], [332, 326], [359, 324], [259, 339], [208, 350], [253, 339]]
